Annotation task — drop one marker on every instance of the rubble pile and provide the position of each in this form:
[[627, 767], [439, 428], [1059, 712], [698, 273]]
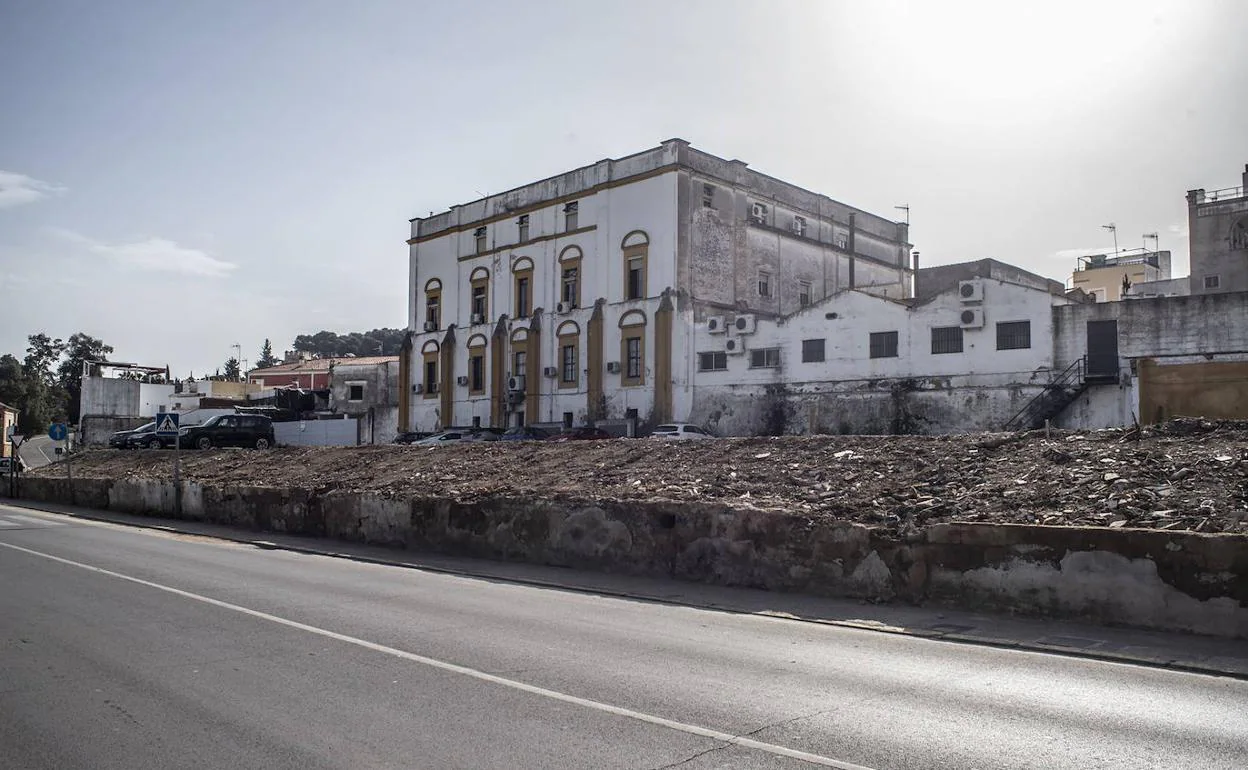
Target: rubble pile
[[1187, 474]]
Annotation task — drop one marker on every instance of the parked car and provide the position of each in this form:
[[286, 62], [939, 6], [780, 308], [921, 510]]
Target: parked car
[[524, 433], [443, 438], [484, 434], [581, 434], [410, 437], [680, 431], [120, 439], [245, 430]]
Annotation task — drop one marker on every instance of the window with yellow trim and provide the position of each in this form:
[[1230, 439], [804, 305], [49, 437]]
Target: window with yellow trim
[[633, 353]]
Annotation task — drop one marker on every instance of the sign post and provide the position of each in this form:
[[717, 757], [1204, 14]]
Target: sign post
[[167, 424], [59, 431]]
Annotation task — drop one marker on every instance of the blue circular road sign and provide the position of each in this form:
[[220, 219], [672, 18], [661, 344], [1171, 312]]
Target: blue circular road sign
[[57, 431]]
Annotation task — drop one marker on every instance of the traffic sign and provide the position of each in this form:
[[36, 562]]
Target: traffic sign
[[167, 424], [6, 464], [57, 431]]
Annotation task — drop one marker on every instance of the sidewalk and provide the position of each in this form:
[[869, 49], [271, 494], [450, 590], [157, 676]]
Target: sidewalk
[[1185, 652]]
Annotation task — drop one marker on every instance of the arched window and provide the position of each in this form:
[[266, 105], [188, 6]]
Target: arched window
[[479, 304], [570, 277], [433, 305], [1239, 235], [636, 252], [429, 355], [569, 336], [519, 352], [522, 272], [476, 365], [633, 348]]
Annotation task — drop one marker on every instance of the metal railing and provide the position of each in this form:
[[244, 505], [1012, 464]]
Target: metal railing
[[1072, 378], [1225, 193]]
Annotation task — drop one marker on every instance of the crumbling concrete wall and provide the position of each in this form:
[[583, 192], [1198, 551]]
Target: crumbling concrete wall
[[1169, 580]]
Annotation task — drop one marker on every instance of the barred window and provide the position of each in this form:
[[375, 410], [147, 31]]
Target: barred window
[[946, 339], [1013, 335], [716, 361], [883, 344], [765, 358]]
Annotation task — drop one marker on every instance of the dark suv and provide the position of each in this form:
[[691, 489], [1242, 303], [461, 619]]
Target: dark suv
[[245, 430]]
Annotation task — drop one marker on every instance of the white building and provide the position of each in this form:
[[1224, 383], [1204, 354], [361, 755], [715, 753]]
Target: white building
[[579, 298]]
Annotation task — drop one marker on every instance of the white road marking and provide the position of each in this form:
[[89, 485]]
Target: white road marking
[[34, 520], [454, 668]]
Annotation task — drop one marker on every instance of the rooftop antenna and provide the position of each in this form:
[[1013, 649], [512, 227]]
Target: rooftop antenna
[[1153, 237], [906, 208], [1113, 228]]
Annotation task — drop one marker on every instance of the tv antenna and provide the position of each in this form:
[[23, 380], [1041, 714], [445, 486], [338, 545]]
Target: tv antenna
[[1113, 228], [906, 208], [1154, 238]]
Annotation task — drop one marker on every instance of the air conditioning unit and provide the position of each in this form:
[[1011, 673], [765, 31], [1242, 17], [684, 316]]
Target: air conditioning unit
[[515, 383], [734, 346], [462, 379], [431, 326], [550, 371], [971, 291], [758, 213], [743, 324], [716, 324], [478, 318], [972, 318], [613, 367], [799, 226], [563, 308], [418, 388]]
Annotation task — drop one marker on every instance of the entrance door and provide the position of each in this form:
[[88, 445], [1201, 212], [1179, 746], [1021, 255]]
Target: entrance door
[[1103, 350]]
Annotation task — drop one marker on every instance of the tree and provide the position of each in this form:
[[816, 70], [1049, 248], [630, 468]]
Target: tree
[[79, 349], [41, 354], [266, 358], [231, 369], [378, 342]]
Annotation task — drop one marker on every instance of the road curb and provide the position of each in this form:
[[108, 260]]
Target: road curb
[[919, 633]]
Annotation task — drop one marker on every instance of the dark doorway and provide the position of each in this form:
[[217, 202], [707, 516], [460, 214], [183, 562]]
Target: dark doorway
[[1103, 351]]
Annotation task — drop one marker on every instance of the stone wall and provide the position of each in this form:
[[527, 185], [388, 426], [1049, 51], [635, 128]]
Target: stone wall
[[1179, 581]]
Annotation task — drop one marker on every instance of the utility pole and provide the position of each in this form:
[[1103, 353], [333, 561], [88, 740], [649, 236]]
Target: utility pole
[[1113, 228]]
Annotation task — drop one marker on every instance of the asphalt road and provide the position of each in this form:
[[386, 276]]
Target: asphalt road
[[123, 648]]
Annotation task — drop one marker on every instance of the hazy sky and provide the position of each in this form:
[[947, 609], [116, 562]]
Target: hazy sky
[[176, 177]]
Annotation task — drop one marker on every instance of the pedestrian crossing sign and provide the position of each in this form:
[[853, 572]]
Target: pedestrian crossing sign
[[167, 424]]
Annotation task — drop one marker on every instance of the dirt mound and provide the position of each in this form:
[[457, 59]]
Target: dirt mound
[[1183, 475]]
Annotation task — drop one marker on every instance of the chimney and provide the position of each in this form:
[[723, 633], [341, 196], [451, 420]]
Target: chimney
[[914, 279], [1246, 178]]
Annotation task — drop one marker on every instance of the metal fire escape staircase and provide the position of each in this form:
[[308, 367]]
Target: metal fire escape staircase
[[1058, 394]]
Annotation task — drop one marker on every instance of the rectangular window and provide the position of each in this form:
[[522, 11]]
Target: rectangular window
[[567, 358], [632, 350], [355, 393], [883, 344], [708, 196], [431, 377], [803, 293], [812, 351], [522, 296], [946, 339], [1213, 281], [478, 299], [476, 373], [523, 224], [571, 277], [479, 234], [764, 284], [765, 358], [842, 242], [716, 361], [519, 362], [570, 215], [433, 303], [1013, 335], [636, 277]]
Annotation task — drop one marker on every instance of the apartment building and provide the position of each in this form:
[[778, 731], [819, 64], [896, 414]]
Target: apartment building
[[1217, 224], [577, 298]]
